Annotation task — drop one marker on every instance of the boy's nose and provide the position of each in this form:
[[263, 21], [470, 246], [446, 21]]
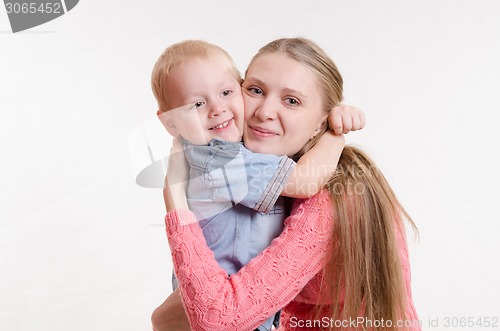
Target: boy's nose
[[216, 109]]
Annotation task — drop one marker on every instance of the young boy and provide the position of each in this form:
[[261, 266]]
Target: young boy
[[234, 192]]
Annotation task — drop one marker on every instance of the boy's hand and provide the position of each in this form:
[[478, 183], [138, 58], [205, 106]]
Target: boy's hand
[[344, 119]]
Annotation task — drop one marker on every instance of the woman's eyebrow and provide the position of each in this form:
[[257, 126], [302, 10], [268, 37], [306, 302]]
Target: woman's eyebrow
[[292, 91], [287, 90], [254, 80]]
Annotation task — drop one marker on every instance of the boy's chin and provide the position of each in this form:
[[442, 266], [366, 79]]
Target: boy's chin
[[228, 138]]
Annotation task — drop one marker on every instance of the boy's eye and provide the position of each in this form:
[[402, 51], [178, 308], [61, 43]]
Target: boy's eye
[[292, 101], [225, 93], [199, 104]]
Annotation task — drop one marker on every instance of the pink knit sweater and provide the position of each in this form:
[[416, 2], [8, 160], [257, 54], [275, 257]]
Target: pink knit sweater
[[284, 276]]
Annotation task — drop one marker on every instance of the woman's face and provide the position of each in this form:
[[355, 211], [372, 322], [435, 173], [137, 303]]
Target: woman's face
[[283, 105]]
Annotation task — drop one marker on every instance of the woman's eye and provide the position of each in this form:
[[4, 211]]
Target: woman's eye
[[225, 93], [292, 101], [255, 90], [199, 104]]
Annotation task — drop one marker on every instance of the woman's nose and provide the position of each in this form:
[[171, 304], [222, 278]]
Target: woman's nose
[[266, 110]]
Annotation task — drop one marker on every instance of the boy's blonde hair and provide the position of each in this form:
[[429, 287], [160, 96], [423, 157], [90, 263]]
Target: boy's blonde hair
[[179, 53]]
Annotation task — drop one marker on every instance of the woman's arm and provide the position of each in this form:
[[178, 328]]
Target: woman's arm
[[214, 301]]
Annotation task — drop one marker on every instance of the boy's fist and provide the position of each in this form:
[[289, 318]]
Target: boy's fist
[[344, 119]]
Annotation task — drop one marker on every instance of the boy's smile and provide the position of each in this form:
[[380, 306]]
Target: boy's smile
[[213, 98]]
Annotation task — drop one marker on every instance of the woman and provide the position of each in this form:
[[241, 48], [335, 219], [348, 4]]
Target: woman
[[341, 261]]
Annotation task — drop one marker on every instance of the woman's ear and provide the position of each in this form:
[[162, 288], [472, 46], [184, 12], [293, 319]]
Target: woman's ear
[[166, 119], [320, 126]]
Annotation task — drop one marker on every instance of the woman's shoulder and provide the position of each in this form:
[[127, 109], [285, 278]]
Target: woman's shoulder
[[315, 212], [320, 202]]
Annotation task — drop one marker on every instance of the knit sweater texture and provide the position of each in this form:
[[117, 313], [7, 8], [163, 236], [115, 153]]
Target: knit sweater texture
[[287, 275]]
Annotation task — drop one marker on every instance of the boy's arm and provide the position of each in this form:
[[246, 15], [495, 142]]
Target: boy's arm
[[235, 175], [314, 168], [174, 190]]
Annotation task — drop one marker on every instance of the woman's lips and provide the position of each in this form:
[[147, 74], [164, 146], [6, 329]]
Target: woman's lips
[[262, 132]]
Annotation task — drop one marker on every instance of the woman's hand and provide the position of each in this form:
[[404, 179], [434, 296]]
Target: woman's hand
[[170, 315], [344, 119]]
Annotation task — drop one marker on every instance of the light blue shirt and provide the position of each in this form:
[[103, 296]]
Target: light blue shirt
[[235, 195]]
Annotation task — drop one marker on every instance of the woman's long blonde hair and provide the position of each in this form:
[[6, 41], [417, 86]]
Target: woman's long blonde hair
[[363, 274]]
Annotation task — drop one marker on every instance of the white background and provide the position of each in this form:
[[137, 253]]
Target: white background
[[82, 247]]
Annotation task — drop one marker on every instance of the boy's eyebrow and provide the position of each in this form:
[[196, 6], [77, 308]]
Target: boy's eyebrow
[[221, 83], [228, 80]]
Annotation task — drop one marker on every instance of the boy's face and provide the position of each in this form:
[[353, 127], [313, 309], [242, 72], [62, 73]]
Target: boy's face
[[208, 85]]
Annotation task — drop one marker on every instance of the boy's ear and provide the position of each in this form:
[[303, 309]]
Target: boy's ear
[[166, 119]]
